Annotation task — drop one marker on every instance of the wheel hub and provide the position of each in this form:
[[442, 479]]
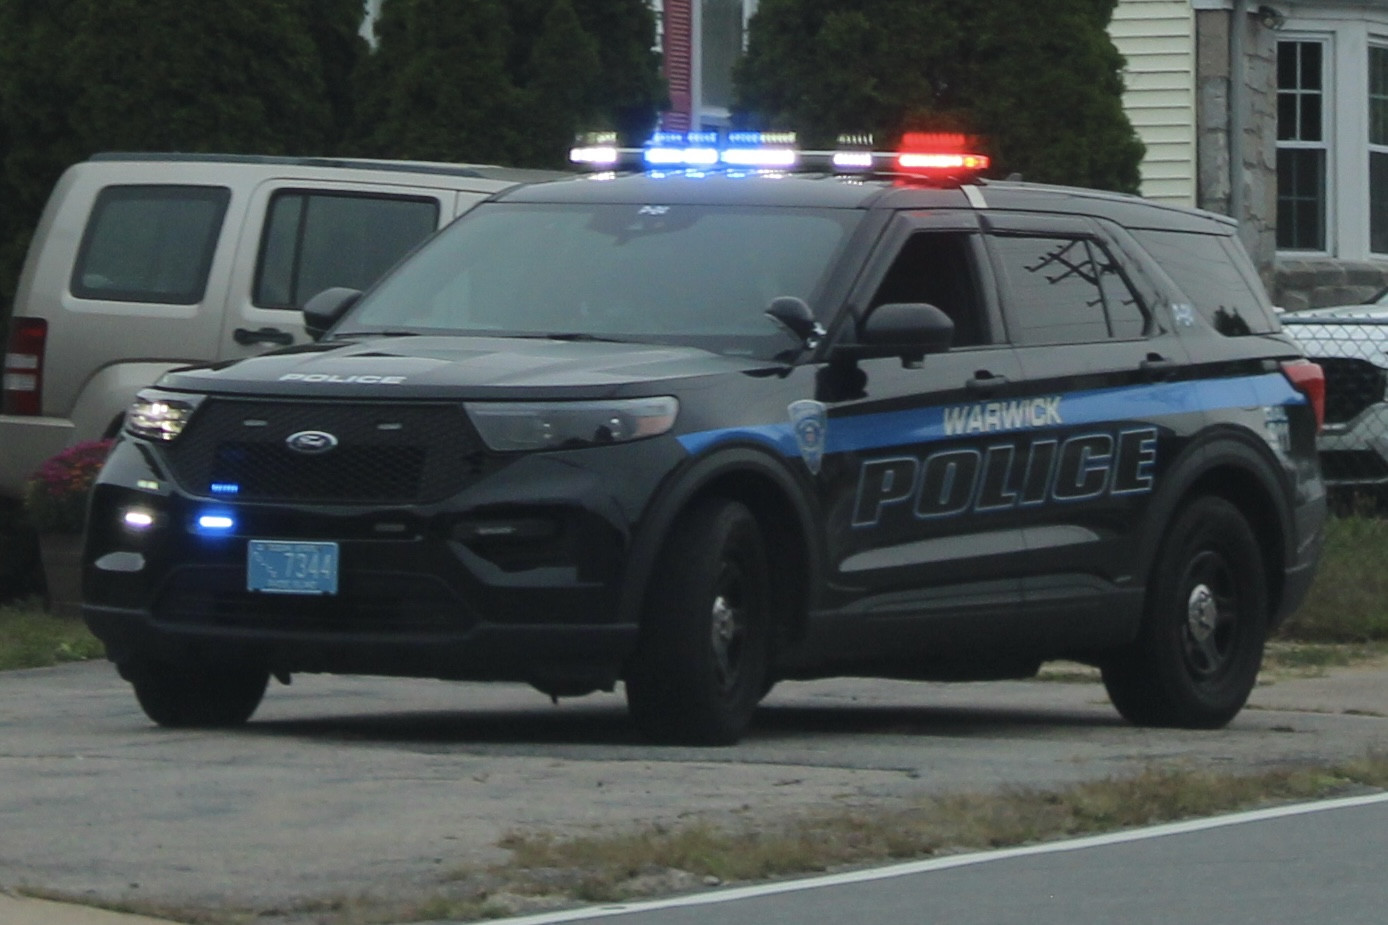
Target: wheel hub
[[725, 641], [1202, 612]]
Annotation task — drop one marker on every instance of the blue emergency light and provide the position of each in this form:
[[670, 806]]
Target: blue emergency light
[[924, 156]]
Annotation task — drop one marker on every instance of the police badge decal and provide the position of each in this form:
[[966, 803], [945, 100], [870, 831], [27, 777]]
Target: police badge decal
[[810, 423]]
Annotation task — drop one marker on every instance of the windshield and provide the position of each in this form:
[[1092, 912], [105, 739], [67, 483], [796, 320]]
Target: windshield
[[693, 275]]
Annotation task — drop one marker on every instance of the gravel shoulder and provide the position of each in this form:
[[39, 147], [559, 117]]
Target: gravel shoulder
[[349, 786]]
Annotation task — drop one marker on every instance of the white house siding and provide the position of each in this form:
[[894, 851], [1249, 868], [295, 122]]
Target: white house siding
[[1157, 37]]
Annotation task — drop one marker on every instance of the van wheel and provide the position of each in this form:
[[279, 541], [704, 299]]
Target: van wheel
[[1197, 655], [701, 666], [197, 695]]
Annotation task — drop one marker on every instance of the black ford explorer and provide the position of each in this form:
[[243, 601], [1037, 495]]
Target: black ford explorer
[[699, 431]]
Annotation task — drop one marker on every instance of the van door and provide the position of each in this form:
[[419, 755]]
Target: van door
[[303, 237]]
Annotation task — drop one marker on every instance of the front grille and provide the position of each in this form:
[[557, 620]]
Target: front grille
[[371, 603], [386, 453], [1346, 466], [1350, 387]]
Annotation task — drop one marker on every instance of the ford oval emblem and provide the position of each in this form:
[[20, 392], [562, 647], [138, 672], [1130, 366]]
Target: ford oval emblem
[[311, 441]]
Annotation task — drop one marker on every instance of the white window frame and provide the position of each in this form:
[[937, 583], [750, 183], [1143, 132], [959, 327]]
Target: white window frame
[[701, 115], [1375, 43], [1329, 143]]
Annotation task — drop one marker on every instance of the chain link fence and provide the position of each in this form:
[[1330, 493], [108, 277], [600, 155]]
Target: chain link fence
[[1349, 601], [1351, 346]]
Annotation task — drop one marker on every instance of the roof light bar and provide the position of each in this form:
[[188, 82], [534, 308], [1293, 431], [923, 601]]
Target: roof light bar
[[596, 149], [927, 156]]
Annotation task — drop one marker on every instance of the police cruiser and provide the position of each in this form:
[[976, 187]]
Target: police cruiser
[[746, 413]]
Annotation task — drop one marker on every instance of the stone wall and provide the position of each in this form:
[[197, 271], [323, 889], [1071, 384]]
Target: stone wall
[[1316, 282]]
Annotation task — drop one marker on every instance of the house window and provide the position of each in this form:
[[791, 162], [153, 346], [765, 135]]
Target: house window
[[722, 41], [1301, 146], [1378, 150]]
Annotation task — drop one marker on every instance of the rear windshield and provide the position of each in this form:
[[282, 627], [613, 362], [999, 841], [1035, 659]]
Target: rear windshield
[[677, 274], [150, 244], [1216, 276]]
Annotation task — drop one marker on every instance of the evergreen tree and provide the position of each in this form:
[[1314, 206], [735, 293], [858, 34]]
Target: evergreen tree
[[335, 29], [170, 75], [630, 90], [560, 82], [506, 81], [438, 85], [81, 76], [1038, 80], [34, 103]]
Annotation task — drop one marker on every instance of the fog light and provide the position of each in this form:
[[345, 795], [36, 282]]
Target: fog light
[[138, 519], [216, 522]]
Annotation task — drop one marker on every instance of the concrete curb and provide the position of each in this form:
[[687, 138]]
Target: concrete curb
[[21, 910]]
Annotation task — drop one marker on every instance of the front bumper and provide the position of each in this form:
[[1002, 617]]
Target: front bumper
[[518, 577], [1355, 453]]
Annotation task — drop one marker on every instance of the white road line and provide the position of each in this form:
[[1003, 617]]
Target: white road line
[[945, 863]]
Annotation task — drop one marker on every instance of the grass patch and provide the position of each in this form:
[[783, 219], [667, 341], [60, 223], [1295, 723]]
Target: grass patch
[[31, 638], [602, 867], [1348, 602], [1286, 658]]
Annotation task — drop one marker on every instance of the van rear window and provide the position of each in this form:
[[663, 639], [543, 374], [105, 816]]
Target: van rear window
[[150, 244]]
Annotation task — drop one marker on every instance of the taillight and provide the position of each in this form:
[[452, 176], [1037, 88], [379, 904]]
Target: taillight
[[23, 382], [1308, 379]]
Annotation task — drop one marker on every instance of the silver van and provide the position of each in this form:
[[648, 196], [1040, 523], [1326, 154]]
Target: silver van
[[145, 262]]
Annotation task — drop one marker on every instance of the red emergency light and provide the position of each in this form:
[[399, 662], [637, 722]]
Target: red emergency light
[[938, 154]]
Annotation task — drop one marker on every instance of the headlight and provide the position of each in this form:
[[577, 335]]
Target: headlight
[[570, 424], [157, 418]]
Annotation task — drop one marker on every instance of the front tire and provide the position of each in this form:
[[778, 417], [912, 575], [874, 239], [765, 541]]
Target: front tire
[[197, 696], [701, 666], [1197, 655]]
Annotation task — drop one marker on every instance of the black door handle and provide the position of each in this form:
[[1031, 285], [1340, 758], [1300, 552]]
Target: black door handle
[[1157, 366], [246, 337], [985, 383]]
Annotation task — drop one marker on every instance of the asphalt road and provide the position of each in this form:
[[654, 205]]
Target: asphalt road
[[342, 786]]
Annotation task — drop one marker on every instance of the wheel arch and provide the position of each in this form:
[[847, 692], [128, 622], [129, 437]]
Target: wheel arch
[[778, 500], [1234, 467]]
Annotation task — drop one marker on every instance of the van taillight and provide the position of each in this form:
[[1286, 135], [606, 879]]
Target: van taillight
[[1308, 379], [23, 383]]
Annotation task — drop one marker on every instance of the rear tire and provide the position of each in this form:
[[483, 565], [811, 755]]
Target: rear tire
[[1205, 620], [701, 666], [197, 696]]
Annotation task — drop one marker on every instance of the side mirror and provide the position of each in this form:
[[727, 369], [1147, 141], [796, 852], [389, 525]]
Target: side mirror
[[908, 330], [326, 308], [795, 316]]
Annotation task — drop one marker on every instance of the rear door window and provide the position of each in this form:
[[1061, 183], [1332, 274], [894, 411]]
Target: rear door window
[[315, 240], [150, 244], [1064, 290]]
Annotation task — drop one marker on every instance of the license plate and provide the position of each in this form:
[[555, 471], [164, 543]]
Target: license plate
[[276, 567]]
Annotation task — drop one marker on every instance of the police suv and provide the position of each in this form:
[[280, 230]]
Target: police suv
[[748, 414]]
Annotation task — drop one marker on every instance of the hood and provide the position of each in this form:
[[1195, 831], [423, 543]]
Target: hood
[[459, 367]]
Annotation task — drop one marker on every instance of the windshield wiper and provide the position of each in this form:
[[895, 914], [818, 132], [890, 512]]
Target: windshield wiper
[[384, 332], [583, 337]]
